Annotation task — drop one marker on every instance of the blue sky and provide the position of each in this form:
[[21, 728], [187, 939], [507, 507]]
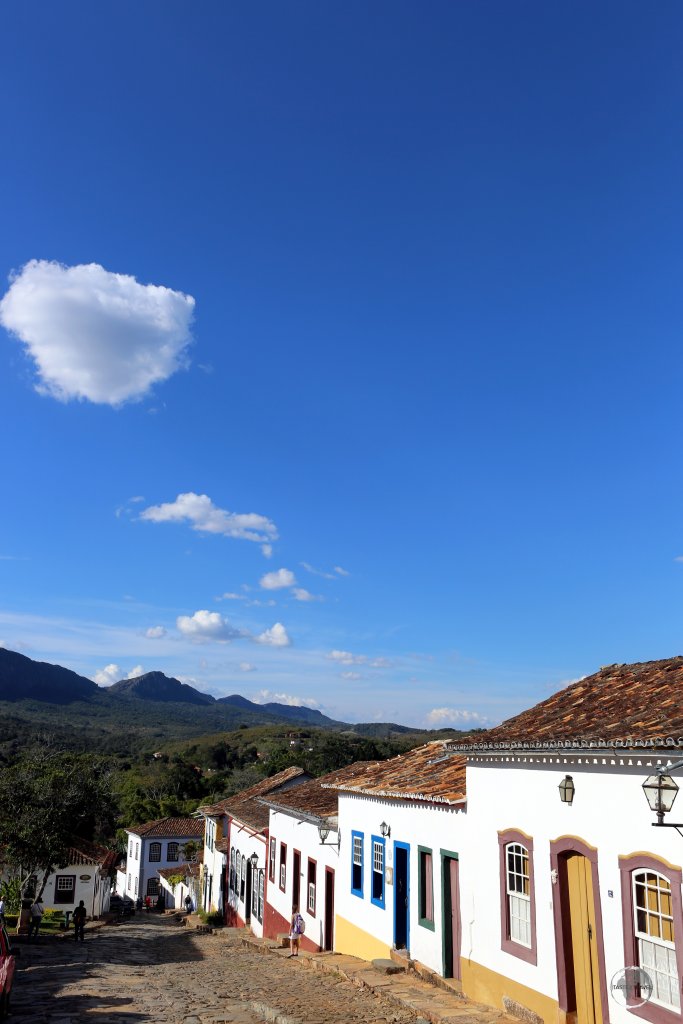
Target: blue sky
[[408, 384]]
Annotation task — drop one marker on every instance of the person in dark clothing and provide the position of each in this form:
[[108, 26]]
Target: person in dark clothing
[[79, 922]]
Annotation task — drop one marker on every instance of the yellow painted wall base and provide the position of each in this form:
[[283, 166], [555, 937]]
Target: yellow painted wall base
[[353, 941], [485, 986]]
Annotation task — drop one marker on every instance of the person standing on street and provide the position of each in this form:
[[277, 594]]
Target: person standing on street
[[79, 916], [2, 911], [37, 911]]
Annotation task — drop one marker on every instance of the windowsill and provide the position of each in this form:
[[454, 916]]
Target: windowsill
[[358, 893], [424, 922], [526, 953], [378, 903]]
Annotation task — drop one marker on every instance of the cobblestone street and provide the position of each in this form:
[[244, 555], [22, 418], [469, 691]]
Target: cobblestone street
[[150, 969]]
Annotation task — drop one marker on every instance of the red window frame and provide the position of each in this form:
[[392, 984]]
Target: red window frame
[[282, 880], [312, 879], [507, 944]]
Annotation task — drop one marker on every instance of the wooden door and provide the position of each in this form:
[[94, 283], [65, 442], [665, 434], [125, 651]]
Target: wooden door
[[585, 956], [296, 880], [328, 935], [451, 917]]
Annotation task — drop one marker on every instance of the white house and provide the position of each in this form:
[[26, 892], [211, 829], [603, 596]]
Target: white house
[[402, 826], [179, 882], [302, 869], [564, 881], [87, 877], [155, 845], [246, 843]]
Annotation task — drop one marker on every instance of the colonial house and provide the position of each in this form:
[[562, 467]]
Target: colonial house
[[156, 845], [247, 843], [87, 877], [179, 882], [402, 827], [303, 858], [564, 882]]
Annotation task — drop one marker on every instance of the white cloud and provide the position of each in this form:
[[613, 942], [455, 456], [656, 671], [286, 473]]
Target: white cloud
[[155, 632], [232, 596], [107, 675], [200, 512], [301, 594], [347, 658], [341, 572], [246, 666], [276, 636], [317, 572], [96, 335], [268, 696], [267, 550], [135, 672], [278, 579], [455, 717], [204, 626], [351, 675]]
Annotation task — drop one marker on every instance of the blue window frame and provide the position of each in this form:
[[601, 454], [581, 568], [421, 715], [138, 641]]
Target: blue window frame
[[377, 871], [357, 864]]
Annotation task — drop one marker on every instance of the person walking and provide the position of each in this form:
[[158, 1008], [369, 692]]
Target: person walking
[[296, 930], [79, 916], [2, 911], [37, 911]]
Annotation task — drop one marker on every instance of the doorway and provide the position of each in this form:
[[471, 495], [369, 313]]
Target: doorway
[[578, 932], [328, 934], [450, 868], [401, 895], [247, 896], [296, 879]]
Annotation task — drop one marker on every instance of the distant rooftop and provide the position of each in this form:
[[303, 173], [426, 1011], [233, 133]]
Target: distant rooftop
[[426, 774], [172, 828], [246, 807], [315, 799]]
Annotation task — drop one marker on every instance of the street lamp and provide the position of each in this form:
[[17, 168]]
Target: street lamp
[[660, 792], [566, 788], [324, 831], [253, 860]]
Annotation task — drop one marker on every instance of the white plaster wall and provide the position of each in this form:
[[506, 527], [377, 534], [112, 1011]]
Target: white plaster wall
[[142, 870], [247, 843], [302, 836], [94, 891], [434, 826], [609, 812]]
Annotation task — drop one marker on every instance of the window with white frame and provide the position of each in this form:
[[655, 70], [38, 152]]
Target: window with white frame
[[311, 886], [231, 883], [136, 886], [172, 852], [129, 881], [357, 863], [377, 891], [130, 850], [254, 893], [271, 860], [152, 886], [137, 851], [238, 873], [261, 893], [154, 853], [243, 880], [654, 931], [518, 890], [283, 866]]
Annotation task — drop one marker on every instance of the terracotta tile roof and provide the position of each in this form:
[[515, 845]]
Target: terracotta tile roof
[[245, 806], [222, 845], [83, 852], [621, 706], [259, 789], [425, 773], [314, 799], [188, 870], [171, 828]]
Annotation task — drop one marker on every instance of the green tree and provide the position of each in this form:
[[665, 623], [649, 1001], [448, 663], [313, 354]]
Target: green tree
[[48, 799]]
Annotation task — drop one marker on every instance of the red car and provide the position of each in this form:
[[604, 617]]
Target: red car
[[7, 964]]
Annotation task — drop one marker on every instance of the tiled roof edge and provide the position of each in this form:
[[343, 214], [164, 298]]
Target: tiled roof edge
[[570, 744], [312, 819], [399, 795]]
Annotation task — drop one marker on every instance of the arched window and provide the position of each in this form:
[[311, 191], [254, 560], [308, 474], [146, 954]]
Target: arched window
[[653, 924], [231, 883], [517, 902], [154, 853], [238, 873], [261, 889], [243, 879]]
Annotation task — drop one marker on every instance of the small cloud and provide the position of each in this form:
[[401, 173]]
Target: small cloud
[[137, 499], [350, 675], [268, 697], [246, 666], [135, 672], [205, 626], [205, 368], [155, 632], [232, 596], [276, 636], [108, 675], [347, 658], [678, 558], [95, 335], [455, 717], [317, 572], [341, 572], [267, 550], [203, 516], [278, 579], [301, 594]]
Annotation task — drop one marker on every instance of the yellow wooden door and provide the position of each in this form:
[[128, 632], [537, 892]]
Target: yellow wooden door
[[584, 941]]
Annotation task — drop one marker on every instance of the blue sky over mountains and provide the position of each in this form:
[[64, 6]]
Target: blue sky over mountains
[[340, 347]]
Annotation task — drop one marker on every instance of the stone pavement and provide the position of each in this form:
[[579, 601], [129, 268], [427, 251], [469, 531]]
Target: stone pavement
[[151, 970]]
